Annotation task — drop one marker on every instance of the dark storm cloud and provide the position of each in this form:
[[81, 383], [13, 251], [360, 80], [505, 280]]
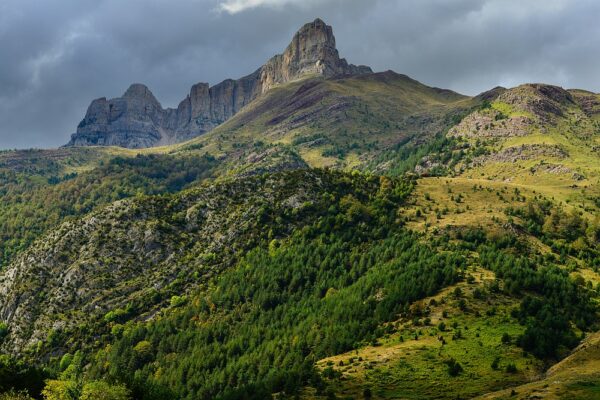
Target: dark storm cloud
[[56, 56]]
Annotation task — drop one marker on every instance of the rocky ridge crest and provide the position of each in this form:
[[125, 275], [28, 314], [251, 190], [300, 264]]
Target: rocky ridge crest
[[137, 119]]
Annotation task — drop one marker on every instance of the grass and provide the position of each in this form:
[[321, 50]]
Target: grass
[[400, 366], [509, 110], [576, 377], [444, 202], [576, 180], [359, 115]]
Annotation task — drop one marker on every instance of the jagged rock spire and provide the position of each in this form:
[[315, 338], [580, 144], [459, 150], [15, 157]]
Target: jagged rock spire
[[311, 51]]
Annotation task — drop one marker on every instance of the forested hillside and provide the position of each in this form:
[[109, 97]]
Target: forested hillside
[[448, 248]]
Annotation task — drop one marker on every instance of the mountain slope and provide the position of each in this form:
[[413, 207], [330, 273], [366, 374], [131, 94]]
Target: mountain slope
[[227, 267], [41, 189], [214, 279], [342, 122], [142, 250], [575, 377], [539, 136]]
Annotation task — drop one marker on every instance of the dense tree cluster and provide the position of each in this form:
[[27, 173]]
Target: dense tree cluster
[[407, 154], [16, 375], [567, 232], [552, 301]]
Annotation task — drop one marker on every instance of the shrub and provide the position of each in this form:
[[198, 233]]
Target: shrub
[[60, 390], [65, 361], [117, 330], [511, 368], [12, 395], [3, 329], [177, 301], [495, 363], [118, 315], [367, 393], [454, 367], [143, 353]]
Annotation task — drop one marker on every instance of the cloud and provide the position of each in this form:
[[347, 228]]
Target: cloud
[[236, 6], [58, 55]]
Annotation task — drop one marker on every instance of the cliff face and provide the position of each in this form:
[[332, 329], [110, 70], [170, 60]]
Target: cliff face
[[133, 120], [137, 120], [312, 51]]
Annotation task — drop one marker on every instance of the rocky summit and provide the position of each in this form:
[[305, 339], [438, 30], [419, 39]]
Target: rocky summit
[[137, 119], [312, 51]]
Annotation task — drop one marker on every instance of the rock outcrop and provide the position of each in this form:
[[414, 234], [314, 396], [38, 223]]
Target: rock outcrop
[[137, 119], [312, 51], [134, 119], [544, 101]]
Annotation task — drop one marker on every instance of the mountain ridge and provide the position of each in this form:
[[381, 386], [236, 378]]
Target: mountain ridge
[[137, 119]]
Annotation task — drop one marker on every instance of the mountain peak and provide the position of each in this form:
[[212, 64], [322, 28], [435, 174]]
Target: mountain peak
[[311, 51], [316, 33], [139, 91]]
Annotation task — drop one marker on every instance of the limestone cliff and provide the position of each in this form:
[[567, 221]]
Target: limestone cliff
[[312, 51], [137, 120]]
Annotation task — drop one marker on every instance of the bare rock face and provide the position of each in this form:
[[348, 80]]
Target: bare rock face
[[312, 51], [133, 119], [137, 120], [487, 125], [544, 101]]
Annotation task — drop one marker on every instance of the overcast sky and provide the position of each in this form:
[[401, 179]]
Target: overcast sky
[[58, 55]]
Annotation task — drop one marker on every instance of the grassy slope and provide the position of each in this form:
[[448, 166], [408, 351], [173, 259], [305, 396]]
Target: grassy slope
[[576, 181], [406, 367], [57, 162], [414, 368], [576, 377], [336, 122]]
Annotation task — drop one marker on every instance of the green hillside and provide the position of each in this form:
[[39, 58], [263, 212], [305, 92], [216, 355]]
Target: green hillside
[[342, 122], [315, 122], [356, 237]]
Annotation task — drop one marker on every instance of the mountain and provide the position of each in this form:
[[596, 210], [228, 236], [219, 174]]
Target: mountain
[[343, 235], [535, 135], [137, 120]]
